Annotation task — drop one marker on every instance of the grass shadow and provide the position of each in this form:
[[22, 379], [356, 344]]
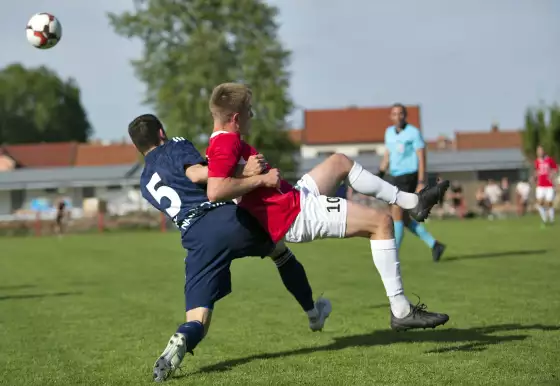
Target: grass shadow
[[38, 296], [16, 287], [493, 254], [469, 340]]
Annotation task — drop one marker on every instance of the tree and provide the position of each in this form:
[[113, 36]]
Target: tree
[[542, 127], [191, 46], [37, 106]]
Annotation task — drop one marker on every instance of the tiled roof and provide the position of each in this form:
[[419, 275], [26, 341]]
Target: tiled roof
[[41, 155], [351, 125], [494, 139], [101, 155], [440, 143]]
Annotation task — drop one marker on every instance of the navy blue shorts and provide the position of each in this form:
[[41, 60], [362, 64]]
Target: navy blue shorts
[[212, 243]]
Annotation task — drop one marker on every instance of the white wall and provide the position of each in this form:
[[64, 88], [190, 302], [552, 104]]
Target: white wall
[[5, 202], [351, 150]]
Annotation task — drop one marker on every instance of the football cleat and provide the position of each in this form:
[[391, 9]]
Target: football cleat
[[418, 318], [169, 361], [324, 309], [437, 251], [427, 199]]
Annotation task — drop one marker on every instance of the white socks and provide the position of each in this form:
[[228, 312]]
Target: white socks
[[369, 184], [406, 200], [551, 214], [386, 260], [542, 212]]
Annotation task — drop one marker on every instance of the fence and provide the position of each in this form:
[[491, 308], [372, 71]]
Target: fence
[[45, 225]]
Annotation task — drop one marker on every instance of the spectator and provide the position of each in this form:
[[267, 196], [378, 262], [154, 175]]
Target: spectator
[[493, 192], [483, 202], [506, 194], [522, 191], [457, 199]]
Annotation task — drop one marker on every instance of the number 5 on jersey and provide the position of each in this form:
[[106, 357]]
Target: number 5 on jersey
[[164, 192]]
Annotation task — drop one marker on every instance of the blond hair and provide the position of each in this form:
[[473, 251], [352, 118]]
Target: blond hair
[[228, 99]]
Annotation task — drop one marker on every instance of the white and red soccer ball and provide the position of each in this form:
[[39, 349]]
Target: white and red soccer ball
[[43, 30]]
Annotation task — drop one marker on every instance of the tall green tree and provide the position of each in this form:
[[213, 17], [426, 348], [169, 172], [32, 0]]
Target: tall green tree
[[37, 106], [191, 46], [554, 132], [542, 127]]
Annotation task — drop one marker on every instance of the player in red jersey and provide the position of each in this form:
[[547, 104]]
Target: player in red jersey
[[545, 170], [305, 212]]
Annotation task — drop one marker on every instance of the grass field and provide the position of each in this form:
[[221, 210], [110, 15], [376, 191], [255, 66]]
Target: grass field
[[98, 310]]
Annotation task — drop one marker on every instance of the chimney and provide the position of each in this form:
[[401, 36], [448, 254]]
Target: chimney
[[495, 127]]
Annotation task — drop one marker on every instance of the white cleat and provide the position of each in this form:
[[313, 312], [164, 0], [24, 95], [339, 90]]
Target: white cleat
[[171, 358], [324, 308]]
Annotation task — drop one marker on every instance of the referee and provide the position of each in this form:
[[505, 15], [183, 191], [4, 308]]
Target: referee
[[404, 165]]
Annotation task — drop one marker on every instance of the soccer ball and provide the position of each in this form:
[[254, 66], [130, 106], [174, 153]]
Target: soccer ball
[[43, 30]]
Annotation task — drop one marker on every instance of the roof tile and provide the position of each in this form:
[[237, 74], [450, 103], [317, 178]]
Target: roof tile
[[104, 155], [494, 139], [351, 125], [41, 155]]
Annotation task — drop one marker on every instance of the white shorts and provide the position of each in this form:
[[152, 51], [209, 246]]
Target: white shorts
[[320, 216], [545, 193]]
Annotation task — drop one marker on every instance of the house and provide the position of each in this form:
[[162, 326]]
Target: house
[[495, 138], [110, 154], [19, 188], [359, 133], [38, 155], [47, 171], [352, 131]]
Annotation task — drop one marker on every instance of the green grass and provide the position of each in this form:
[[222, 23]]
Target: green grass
[[98, 310]]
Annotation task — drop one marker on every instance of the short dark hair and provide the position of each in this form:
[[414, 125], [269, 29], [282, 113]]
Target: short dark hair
[[402, 107], [144, 132]]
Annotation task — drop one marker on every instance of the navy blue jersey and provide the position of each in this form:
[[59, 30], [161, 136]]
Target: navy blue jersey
[[164, 183]]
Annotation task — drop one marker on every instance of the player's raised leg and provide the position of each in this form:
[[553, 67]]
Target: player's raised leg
[[377, 225], [328, 175], [295, 280]]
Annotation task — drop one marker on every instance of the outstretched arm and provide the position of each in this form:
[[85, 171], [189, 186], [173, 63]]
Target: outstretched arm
[[254, 166], [229, 188]]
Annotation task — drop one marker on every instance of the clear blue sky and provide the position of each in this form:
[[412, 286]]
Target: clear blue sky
[[467, 63]]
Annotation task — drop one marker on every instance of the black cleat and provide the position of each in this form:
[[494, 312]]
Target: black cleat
[[418, 318], [437, 251], [427, 199]]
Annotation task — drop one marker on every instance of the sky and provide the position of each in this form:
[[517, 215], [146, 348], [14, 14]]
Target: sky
[[466, 63]]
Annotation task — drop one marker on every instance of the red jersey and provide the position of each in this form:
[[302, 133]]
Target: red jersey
[[275, 209], [544, 167]]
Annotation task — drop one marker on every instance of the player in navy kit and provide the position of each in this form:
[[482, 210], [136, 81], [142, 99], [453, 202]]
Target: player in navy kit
[[214, 234]]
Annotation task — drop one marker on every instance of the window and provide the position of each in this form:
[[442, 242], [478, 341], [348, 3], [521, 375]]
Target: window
[[17, 199], [88, 192]]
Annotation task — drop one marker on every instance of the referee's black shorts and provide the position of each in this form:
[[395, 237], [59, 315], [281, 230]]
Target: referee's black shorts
[[405, 183]]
